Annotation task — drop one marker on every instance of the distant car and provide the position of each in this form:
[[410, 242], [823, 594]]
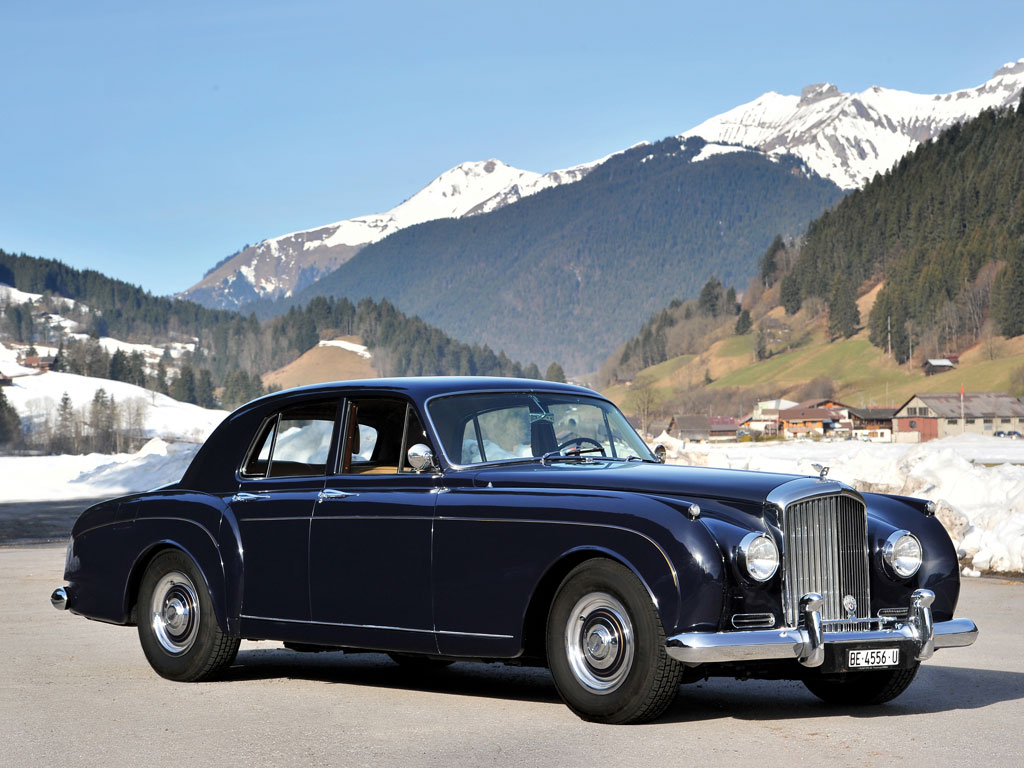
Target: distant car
[[999, 433], [450, 519], [1014, 434]]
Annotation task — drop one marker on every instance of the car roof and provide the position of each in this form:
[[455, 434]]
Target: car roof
[[421, 388]]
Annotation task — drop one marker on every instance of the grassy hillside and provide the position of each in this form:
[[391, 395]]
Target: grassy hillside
[[860, 374], [322, 364]]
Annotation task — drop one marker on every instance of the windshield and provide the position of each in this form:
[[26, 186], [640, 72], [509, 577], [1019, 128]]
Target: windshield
[[498, 426]]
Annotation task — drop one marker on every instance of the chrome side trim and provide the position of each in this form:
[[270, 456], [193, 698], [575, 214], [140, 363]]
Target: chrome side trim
[[374, 626]]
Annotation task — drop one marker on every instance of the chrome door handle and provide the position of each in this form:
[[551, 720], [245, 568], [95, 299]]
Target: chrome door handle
[[332, 493], [245, 496]]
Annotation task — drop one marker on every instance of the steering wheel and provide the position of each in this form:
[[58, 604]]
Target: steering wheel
[[578, 441]]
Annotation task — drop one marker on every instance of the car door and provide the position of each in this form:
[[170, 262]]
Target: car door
[[280, 483], [370, 542]]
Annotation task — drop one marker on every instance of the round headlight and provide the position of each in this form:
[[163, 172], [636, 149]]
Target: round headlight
[[759, 556], [902, 551]]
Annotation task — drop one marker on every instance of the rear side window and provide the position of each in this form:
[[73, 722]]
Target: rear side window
[[294, 442]]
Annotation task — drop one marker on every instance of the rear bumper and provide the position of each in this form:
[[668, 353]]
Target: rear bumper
[[807, 643]]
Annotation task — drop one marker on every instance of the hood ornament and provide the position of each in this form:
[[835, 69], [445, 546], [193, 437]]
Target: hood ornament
[[821, 470]]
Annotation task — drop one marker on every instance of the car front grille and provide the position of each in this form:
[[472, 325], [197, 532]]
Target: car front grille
[[826, 548]]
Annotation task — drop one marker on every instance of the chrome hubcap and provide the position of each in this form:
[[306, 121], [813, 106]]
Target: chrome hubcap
[[599, 642], [174, 613]]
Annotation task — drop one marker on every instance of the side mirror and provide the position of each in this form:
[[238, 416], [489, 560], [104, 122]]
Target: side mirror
[[660, 452], [421, 458]]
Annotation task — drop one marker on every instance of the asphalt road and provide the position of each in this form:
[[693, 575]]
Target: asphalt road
[[75, 692]]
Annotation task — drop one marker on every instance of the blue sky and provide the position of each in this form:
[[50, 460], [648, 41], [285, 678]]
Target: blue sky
[[149, 142]]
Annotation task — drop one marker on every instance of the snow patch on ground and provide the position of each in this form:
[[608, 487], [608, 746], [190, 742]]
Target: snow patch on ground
[[359, 349], [976, 481], [710, 150], [9, 363], [55, 478]]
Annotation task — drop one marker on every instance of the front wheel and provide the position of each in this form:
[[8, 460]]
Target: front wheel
[[177, 626], [606, 646], [861, 688]]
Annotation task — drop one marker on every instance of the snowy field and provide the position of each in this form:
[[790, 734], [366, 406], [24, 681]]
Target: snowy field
[[976, 481]]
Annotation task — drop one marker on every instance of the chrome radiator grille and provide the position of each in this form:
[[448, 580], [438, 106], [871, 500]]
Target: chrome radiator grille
[[826, 551]]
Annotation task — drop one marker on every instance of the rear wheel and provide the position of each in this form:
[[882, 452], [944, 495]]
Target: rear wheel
[[861, 688], [177, 626], [606, 646]]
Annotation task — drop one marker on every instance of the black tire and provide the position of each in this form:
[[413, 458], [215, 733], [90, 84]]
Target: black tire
[[419, 663], [614, 668], [861, 688], [177, 626]]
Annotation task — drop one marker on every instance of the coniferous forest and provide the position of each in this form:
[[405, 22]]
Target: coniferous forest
[[944, 229], [231, 350]]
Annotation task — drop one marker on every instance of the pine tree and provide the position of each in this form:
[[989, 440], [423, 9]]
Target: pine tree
[[204, 390], [555, 373], [712, 298], [843, 314], [119, 366], [10, 423], [1008, 298], [183, 389], [64, 438], [743, 323]]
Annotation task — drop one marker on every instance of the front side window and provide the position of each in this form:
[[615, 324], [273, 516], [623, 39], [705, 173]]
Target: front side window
[[380, 431], [486, 427], [294, 442]]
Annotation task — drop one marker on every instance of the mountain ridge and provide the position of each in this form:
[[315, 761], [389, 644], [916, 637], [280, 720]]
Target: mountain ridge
[[849, 137]]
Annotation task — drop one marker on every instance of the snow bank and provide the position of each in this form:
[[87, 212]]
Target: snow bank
[[36, 396], [977, 482], [55, 478]]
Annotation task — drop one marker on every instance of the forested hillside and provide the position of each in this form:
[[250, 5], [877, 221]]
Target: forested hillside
[[927, 259], [944, 231], [231, 350], [571, 272]]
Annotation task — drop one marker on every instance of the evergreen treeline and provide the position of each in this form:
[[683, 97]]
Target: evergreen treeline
[[571, 272], [652, 345], [118, 309], [232, 350], [936, 228]]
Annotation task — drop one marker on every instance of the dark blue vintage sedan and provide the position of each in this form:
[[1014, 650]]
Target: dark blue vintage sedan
[[447, 519]]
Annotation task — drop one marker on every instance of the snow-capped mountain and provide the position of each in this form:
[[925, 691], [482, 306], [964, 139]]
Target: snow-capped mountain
[[844, 137], [282, 265], [849, 137]]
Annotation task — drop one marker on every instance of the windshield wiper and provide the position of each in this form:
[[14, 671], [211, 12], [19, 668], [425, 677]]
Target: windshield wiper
[[577, 456]]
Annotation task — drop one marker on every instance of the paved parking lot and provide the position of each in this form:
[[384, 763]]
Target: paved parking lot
[[75, 692]]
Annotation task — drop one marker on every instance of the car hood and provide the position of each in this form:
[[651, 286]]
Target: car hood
[[667, 479]]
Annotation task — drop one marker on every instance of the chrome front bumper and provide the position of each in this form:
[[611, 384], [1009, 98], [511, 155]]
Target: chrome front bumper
[[807, 644]]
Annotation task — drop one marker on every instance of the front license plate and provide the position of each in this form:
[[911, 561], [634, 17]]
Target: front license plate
[[876, 657]]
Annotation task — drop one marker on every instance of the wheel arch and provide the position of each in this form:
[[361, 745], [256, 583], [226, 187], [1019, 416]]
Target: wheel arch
[[536, 616], [211, 573]]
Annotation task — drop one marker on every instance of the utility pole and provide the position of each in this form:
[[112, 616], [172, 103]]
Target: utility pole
[[888, 332]]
